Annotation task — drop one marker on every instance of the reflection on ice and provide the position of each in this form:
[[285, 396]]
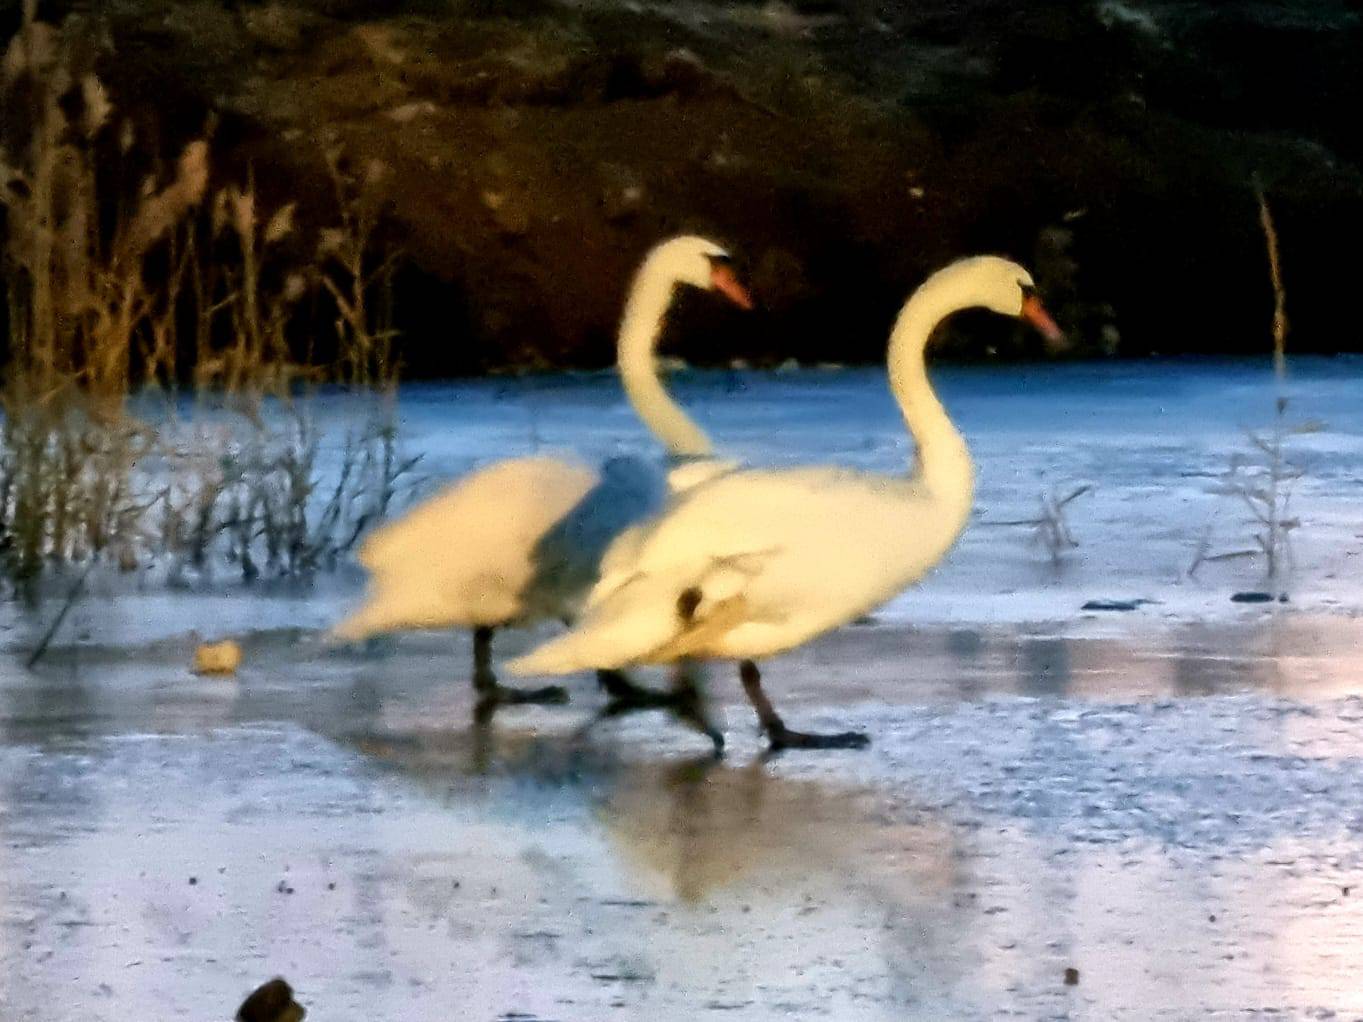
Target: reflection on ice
[[1176, 816]]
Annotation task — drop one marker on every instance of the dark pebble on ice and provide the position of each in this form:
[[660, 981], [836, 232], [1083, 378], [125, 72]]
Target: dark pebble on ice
[[331, 886], [1071, 977], [1251, 597], [1345, 891], [272, 1002], [193, 881], [1113, 604], [1211, 919], [283, 888]]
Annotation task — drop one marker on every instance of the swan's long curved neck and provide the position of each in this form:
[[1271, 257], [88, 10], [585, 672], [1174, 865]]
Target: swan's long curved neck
[[943, 467], [639, 330]]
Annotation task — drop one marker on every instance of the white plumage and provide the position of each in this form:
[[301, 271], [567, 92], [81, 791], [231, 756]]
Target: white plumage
[[776, 557], [467, 555], [522, 540], [755, 562]]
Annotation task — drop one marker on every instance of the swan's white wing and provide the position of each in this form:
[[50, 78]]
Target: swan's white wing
[[465, 555], [618, 561], [754, 563], [704, 552], [651, 617], [490, 500]]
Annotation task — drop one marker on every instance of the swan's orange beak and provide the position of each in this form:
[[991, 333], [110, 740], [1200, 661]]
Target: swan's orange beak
[[725, 281], [1035, 313]]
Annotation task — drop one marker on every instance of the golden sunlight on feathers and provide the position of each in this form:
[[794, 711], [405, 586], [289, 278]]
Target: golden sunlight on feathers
[[522, 540]]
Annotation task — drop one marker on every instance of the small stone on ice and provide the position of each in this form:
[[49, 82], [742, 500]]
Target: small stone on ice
[[1071, 977], [217, 658]]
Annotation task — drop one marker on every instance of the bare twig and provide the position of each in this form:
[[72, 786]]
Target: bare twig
[[1051, 527], [72, 595]]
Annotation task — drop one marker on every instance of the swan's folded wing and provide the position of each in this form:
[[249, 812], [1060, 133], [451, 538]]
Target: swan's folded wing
[[714, 547], [515, 499], [619, 562], [623, 558], [466, 555], [651, 618]]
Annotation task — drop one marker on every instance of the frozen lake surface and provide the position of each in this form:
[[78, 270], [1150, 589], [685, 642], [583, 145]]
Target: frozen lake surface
[[1153, 440], [1169, 800]]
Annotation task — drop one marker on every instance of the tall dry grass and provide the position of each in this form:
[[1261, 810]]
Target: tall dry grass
[[103, 457], [1263, 478]]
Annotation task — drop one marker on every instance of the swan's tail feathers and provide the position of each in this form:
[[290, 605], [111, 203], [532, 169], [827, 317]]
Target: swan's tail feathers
[[583, 648], [375, 551], [392, 612], [359, 625], [620, 630], [473, 511], [654, 619]]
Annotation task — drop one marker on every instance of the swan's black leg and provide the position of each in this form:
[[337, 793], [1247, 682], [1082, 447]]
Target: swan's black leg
[[684, 700], [626, 696], [492, 694], [690, 707], [782, 737]]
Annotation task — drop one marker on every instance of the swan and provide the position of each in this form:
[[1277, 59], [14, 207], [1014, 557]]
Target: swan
[[758, 561], [521, 540]]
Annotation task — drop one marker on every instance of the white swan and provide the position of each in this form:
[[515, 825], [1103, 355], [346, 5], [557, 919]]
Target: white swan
[[521, 540], [758, 561]]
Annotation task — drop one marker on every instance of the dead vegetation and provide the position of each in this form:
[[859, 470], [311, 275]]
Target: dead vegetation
[[110, 286], [1050, 526], [1264, 477]]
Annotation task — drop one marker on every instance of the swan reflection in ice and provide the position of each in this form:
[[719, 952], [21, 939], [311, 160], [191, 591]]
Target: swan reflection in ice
[[686, 859]]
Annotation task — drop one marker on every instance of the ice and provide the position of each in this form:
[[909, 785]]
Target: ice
[[1151, 438], [1167, 800]]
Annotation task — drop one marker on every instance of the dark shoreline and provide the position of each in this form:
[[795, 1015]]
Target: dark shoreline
[[534, 151]]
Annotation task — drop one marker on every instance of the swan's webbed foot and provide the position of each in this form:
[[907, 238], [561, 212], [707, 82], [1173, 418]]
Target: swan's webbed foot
[[783, 738], [625, 696], [685, 702], [780, 737], [504, 695], [493, 695]]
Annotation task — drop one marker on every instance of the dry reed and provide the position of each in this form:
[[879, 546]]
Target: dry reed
[[92, 469]]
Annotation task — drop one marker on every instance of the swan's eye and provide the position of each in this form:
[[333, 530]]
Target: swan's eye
[[720, 258], [1028, 290]]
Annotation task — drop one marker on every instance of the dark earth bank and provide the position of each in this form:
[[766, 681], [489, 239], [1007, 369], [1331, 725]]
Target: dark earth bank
[[533, 150]]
